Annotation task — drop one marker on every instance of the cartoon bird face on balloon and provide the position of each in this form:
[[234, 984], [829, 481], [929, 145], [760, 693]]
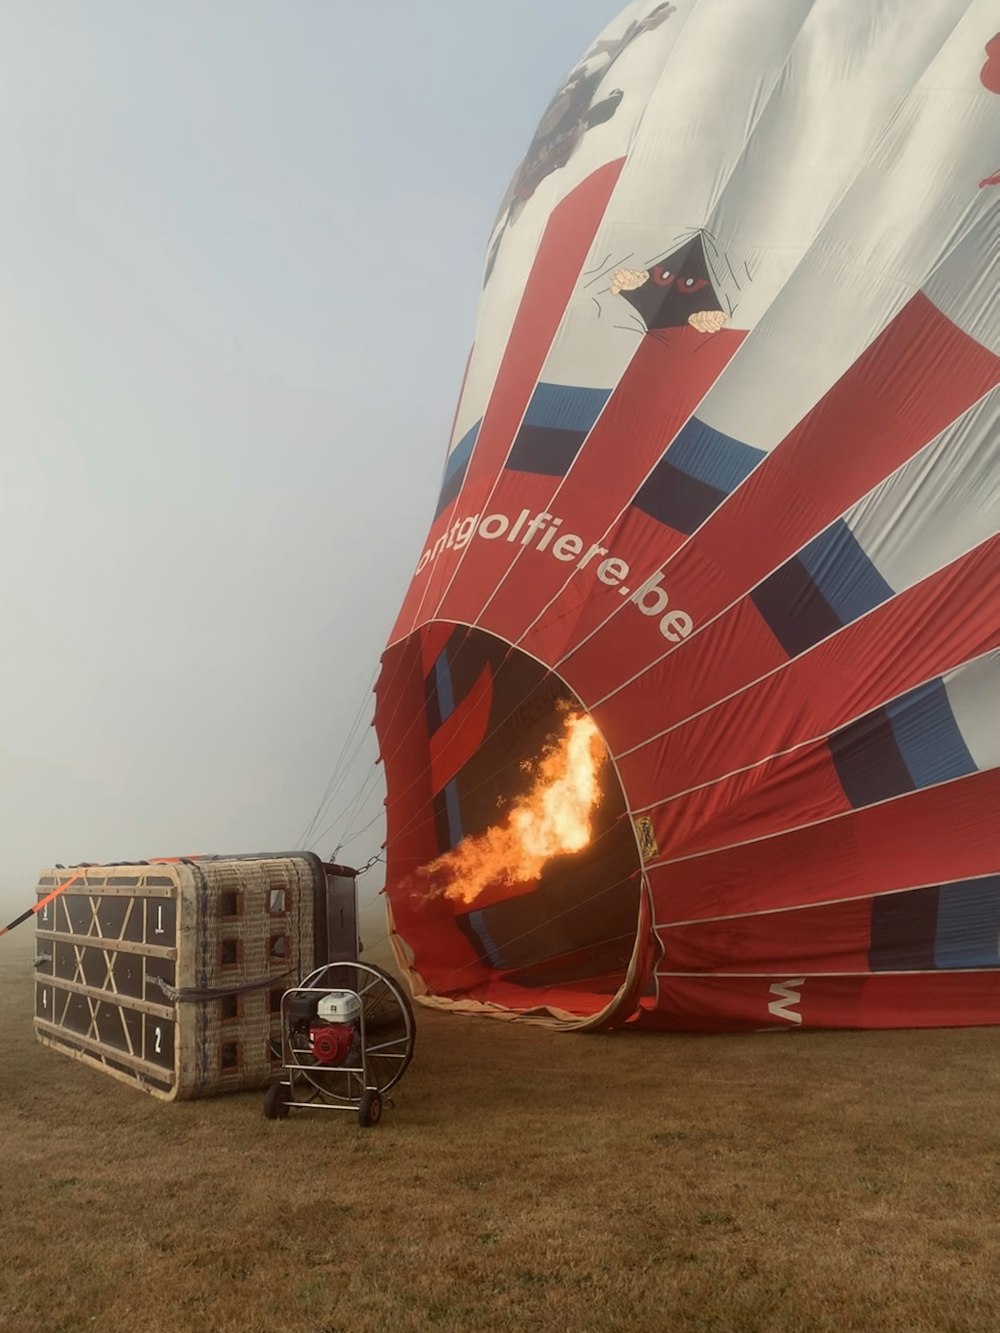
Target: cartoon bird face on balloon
[[677, 290], [573, 111], [570, 116]]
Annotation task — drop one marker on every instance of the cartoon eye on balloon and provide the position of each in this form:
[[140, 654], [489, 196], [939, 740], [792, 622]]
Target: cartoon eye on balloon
[[663, 304]]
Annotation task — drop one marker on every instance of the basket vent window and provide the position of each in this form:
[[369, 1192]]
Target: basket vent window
[[230, 1056], [278, 948], [276, 902], [229, 953], [229, 904], [230, 1008], [276, 1001]]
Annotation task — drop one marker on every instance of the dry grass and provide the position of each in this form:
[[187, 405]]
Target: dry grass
[[525, 1181]]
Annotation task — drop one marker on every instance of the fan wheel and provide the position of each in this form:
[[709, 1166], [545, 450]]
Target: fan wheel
[[390, 1031]]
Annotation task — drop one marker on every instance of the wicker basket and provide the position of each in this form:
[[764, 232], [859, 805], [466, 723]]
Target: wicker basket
[[168, 975]]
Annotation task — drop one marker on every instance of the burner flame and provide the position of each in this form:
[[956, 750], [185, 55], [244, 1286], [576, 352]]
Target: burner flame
[[552, 819]]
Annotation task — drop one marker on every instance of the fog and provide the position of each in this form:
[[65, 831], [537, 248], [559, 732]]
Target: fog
[[242, 249]]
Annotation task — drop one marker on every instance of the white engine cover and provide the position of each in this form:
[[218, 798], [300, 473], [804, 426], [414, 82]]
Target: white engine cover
[[339, 1006]]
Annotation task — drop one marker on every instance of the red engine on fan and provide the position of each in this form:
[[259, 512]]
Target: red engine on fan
[[330, 1043]]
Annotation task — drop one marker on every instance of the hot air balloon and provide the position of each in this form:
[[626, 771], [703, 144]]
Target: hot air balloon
[[690, 715]]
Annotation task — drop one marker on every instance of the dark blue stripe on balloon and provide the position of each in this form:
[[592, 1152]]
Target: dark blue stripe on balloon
[[868, 761], [558, 420], [565, 407], [903, 929], [677, 499], [699, 469], [432, 704], [544, 450], [943, 926], [455, 467], [843, 572], [796, 612], [477, 923], [442, 680], [459, 457], [712, 457], [830, 583], [454, 813], [441, 833], [912, 742], [968, 924], [928, 736]]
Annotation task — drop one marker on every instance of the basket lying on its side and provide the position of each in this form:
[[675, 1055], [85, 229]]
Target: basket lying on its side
[[169, 975]]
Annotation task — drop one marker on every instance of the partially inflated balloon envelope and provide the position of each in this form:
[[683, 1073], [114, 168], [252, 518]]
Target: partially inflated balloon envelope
[[690, 717]]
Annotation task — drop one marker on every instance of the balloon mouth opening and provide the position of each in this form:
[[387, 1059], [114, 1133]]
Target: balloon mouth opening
[[525, 887]]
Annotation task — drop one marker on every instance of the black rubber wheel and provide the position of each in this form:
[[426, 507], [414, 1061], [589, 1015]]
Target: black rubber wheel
[[276, 1101], [370, 1110]]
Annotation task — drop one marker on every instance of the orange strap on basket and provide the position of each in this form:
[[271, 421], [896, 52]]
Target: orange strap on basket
[[42, 902]]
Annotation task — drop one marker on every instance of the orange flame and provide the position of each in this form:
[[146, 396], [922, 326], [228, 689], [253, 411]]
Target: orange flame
[[553, 818]]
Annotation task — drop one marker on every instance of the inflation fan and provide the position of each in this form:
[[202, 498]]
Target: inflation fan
[[347, 1036]]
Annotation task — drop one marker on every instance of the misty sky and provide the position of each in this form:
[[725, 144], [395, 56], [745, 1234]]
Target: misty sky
[[242, 245]]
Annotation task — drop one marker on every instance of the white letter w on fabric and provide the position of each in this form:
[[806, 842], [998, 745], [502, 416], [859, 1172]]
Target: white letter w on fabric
[[787, 993]]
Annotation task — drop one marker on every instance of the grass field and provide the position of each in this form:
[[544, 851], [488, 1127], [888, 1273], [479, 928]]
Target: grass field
[[525, 1181]]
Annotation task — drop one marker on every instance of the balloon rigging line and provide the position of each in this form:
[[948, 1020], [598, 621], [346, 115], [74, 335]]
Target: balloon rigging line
[[345, 811], [328, 798], [348, 834], [358, 716], [310, 834], [363, 791], [349, 808], [328, 793], [363, 829]]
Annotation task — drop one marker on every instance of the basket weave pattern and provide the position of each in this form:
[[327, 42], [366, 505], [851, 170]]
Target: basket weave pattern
[[169, 976]]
